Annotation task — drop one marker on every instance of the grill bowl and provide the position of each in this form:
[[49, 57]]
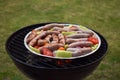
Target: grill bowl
[[84, 55]]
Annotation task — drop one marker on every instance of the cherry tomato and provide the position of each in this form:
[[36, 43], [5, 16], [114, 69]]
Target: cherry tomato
[[93, 40]]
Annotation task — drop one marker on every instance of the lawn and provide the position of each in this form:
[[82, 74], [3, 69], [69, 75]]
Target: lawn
[[100, 15]]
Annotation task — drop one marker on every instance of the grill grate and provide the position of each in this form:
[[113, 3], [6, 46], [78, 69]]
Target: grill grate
[[17, 50]]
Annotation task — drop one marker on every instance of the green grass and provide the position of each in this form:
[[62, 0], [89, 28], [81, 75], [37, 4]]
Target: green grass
[[100, 15]]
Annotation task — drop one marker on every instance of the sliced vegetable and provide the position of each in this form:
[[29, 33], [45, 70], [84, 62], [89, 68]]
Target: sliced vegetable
[[94, 47], [38, 32], [68, 33], [34, 49], [93, 40], [66, 46], [61, 53], [61, 48], [47, 52], [83, 28]]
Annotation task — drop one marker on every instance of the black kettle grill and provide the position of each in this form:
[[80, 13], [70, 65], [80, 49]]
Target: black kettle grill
[[41, 68]]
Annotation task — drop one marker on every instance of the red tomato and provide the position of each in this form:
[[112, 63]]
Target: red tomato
[[47, 52], [93, 40]]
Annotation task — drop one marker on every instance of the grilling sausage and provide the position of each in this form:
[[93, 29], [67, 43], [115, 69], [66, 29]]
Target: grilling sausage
[[81, 44], [71, 40], [57, 29], [74, 28], [41, 42], [45, 33], [31, 36], [49, 26], [87, 32], [72, 49], [82, 35], [48, 37], [61, 38], [55, 38], [81, 51], [52, 32]]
